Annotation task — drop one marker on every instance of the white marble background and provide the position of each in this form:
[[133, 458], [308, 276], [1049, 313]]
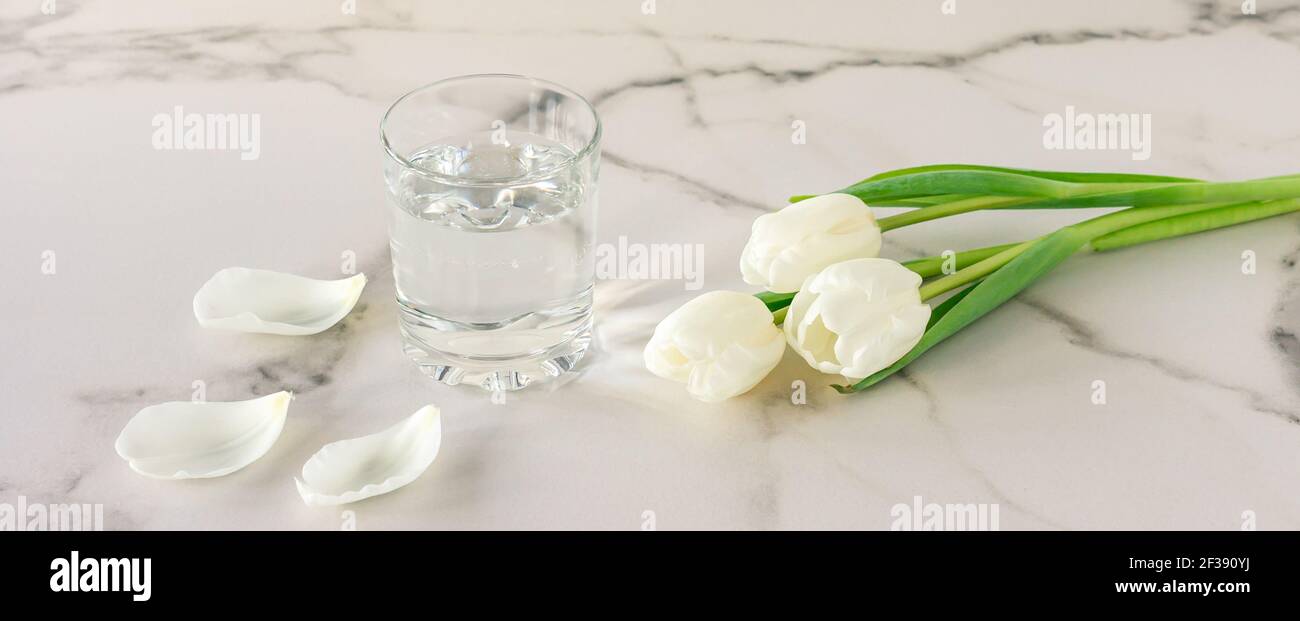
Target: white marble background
[[1202, 363]]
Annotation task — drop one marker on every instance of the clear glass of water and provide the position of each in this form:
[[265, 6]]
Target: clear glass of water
[[492, 218]]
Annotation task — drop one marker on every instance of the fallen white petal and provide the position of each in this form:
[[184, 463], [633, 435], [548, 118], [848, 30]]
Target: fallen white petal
[[249, 300], [189, 440], [350, 470]]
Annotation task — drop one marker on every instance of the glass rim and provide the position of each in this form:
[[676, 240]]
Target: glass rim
[[577, 156]]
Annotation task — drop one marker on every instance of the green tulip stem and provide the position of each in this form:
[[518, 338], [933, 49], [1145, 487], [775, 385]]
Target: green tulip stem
[[1091, 229], [973, 272], [778, 315], [1121, 231], [952, 208], [1196, 222]]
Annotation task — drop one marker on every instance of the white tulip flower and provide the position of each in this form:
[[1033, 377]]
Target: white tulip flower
[[720, 345], [857, 317], [788, 246]]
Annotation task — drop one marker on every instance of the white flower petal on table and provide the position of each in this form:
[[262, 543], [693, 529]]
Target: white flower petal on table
[[249, 300], [189, 440], [351, 470]]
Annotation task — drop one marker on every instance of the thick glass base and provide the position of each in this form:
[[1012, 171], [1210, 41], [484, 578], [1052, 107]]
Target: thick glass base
[[493, 373]]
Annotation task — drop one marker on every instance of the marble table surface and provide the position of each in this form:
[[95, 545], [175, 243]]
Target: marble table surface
[[1201, 424]]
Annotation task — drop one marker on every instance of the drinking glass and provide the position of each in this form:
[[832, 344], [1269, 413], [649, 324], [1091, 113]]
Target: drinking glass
[[491, 185]]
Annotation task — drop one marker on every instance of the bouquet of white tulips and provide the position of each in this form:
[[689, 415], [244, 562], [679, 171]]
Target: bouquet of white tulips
[[849, 313]]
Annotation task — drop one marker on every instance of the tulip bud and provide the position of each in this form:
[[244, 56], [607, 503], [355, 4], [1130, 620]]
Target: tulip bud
[[857, 317], [720, 345], [788, 246]]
